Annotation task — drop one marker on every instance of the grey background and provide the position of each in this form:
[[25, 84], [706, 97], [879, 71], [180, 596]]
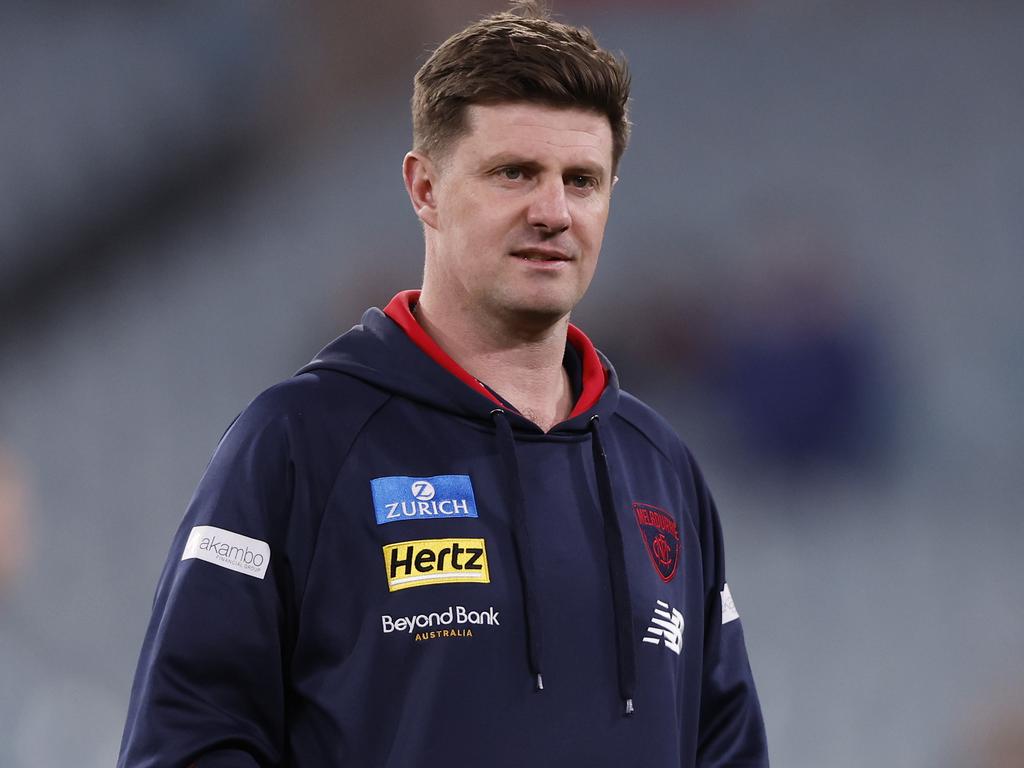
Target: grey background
[[195, 198]]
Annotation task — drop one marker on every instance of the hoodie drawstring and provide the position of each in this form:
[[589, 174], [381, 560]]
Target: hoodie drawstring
[[521, 539], [621, 602]]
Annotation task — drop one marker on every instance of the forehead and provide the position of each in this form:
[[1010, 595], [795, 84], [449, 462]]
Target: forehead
[[538, 131]]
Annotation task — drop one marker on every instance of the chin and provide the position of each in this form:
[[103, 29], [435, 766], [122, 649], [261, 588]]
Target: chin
[[538, 312]]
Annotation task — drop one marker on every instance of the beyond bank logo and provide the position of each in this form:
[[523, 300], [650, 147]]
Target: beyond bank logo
[[455, 622], [422, 498]]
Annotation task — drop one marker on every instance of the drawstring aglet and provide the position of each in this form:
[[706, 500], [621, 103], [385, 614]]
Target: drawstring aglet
[[540, 682], [629, 706]]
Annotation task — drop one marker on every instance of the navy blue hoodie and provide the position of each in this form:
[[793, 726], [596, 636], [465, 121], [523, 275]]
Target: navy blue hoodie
[[386, 565]]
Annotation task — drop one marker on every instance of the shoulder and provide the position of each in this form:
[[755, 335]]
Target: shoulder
[[646, 422], [318, 408], [313, 396], [653, 427]]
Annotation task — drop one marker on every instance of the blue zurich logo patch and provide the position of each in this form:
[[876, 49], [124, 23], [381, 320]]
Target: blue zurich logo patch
[[422, 498]]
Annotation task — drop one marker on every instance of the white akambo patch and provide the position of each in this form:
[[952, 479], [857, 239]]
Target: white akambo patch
[[729, 612], [228, 550]]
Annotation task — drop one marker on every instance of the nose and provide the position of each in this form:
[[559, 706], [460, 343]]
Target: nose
[[549, 208]]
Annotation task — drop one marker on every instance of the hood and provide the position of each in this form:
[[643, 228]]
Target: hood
[[390, 350]]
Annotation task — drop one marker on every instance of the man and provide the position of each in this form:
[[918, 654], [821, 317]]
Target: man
[[451, 540]]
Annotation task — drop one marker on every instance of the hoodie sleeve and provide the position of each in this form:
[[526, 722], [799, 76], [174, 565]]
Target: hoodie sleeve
[[209, 687], [732, 733]]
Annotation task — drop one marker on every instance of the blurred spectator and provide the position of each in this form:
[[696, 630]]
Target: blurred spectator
[[13, 523], [997, 739], [799, 364]]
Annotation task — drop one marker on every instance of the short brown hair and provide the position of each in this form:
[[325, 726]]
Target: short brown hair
[[520, 55]]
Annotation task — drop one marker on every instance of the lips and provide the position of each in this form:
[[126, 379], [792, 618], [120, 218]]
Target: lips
[[542, 254]]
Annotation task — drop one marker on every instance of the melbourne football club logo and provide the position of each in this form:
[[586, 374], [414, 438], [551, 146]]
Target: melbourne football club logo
[[661, 536]]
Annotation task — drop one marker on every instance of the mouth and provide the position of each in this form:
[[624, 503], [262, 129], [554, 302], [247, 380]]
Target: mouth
[[542, 255]]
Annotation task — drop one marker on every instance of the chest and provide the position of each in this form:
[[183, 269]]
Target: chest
[[422, 520]]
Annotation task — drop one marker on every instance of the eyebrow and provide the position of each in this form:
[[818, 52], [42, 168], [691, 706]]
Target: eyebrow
[[579, 169]]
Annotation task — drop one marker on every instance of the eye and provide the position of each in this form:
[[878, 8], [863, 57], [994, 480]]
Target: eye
[[511, 173], [582, 182]]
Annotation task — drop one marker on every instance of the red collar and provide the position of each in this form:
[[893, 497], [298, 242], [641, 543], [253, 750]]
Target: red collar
[[594, 376]]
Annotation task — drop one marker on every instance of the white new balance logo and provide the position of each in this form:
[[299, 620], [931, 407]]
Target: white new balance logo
[[667, 627]]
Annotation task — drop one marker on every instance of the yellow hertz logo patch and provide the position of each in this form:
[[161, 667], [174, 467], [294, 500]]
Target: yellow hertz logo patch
[[435, 561]]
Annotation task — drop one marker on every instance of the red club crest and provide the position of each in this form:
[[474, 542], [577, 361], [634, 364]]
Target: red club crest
[[661, 537], [662, 550]]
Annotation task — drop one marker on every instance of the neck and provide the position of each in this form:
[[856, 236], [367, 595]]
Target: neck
[[521, 362]]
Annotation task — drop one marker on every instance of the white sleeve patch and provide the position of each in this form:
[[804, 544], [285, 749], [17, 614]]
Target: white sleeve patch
[[729, 612], [228, 550]]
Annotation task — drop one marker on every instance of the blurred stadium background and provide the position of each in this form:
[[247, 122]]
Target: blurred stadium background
[[813, 267]]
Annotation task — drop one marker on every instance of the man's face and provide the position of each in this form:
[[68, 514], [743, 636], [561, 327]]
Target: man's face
[[520, 204]]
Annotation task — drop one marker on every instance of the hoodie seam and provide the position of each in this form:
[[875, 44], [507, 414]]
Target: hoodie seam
[[686, 466], [683, 467], [636, 428], [334, 483]]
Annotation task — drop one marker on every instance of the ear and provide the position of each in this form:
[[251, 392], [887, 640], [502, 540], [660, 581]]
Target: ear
[[420, 176]]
